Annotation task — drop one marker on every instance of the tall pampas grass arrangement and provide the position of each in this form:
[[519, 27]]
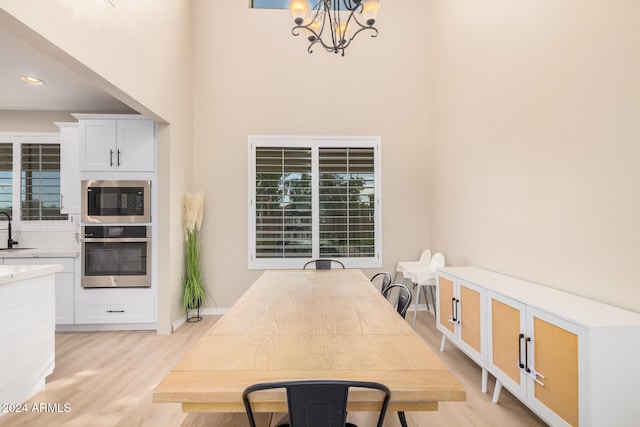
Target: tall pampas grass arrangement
[[194, 292]]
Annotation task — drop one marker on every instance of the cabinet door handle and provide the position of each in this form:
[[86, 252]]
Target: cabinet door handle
[[526, 354], [453, 309], [458, 311], [520, 338], [115, 311], [118, 157], [111, 158]]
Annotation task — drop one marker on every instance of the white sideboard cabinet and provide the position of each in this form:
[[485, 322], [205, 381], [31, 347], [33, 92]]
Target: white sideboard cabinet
[[572, 360], [460, 318], [123, 143]]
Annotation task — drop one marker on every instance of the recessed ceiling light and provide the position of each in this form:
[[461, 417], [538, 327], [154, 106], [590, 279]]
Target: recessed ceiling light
[[32, 80]]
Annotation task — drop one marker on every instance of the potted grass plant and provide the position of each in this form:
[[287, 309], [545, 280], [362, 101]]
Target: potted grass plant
[[194, 291]]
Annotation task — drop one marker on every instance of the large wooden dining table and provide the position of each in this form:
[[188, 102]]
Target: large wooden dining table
[[309, 324]]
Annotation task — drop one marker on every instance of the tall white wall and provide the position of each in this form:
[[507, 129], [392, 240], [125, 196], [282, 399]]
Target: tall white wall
[[251, 76], [536, 126]]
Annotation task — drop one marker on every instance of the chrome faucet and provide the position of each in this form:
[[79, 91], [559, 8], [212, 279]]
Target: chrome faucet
[[10, 241]]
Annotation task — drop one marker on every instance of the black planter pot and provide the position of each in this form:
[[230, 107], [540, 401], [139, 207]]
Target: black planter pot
[[195, 318]]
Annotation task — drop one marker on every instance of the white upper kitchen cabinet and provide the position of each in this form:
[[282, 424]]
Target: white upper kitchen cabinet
[[69, 168], [123, 143]]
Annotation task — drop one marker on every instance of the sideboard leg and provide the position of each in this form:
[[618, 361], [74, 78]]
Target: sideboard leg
[[496, 391], [444, 340], [485, 375]]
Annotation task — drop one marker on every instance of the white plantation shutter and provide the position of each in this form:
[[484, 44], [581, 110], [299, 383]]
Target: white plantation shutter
[[283, 202], [314, 197], [6, 178], [40, 182], [347, 202]]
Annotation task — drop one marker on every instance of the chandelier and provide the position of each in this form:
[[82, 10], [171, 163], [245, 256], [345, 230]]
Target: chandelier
[[333, 24]]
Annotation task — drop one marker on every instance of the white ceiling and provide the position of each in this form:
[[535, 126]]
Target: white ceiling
[[64, 89]]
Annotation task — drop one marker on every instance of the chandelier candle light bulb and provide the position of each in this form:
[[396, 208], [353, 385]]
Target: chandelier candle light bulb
[[299, 10], [343, 20]]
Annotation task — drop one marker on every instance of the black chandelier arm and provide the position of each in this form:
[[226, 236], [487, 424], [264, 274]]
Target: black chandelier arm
[[304, 27], [374, 29]]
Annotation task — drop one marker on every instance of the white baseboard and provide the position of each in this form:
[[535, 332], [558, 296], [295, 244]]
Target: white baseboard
[[91, 327], [217, 311]]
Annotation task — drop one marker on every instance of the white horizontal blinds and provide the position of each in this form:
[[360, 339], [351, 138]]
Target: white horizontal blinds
[[283, 202], [347, 202], [40, 182], [6, 178]]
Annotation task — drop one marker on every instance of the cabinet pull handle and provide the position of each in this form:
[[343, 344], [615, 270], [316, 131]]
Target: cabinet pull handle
[[457, 311], [520, 338], [111, 158], [115, 311], [453, 309], [118, 158], [526, 354]]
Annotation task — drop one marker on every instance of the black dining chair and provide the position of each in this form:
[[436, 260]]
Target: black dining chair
[[402, 303], [323, 264], [317, 403], [403, 297], [385, 280]]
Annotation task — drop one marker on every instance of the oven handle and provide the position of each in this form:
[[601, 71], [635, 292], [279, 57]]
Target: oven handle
[[116, 240]]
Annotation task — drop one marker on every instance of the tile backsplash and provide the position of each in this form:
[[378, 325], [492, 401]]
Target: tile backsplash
[[68, 238]]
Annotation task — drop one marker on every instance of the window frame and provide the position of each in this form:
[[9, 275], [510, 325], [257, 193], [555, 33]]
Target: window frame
[[315, 143], [17, 139]]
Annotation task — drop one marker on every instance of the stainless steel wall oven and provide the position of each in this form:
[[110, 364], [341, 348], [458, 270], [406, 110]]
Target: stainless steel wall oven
[[116, 256]]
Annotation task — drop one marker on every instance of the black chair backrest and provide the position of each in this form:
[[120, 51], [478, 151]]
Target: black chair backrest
[[323, 264], [403, 301], [317, 403], [386, 280]]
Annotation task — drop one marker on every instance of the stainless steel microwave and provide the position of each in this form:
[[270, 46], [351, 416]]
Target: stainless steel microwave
[[116, 201]]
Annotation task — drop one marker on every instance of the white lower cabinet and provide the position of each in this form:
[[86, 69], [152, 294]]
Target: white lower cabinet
[[64, 283], [108, 306], [571, 360]]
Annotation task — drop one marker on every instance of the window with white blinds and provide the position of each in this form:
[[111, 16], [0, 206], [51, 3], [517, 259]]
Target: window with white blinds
[[40, 182], [314, 197]]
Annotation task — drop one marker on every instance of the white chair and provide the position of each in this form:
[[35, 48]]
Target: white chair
[[429, 281], [404, 266]]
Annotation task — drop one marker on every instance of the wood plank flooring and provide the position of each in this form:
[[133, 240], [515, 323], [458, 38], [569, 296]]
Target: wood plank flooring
[[106, 379]]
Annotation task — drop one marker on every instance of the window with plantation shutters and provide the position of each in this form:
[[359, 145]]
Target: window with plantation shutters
[[6, 178], [40, 182], [30, 180], [283, 202], [314, 197], [347, 202]]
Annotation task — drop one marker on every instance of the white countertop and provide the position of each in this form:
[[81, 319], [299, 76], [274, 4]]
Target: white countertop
[[39, 253], [16, 273]]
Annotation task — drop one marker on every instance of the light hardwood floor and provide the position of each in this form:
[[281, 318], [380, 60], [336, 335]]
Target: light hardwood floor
[[106, 378]]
